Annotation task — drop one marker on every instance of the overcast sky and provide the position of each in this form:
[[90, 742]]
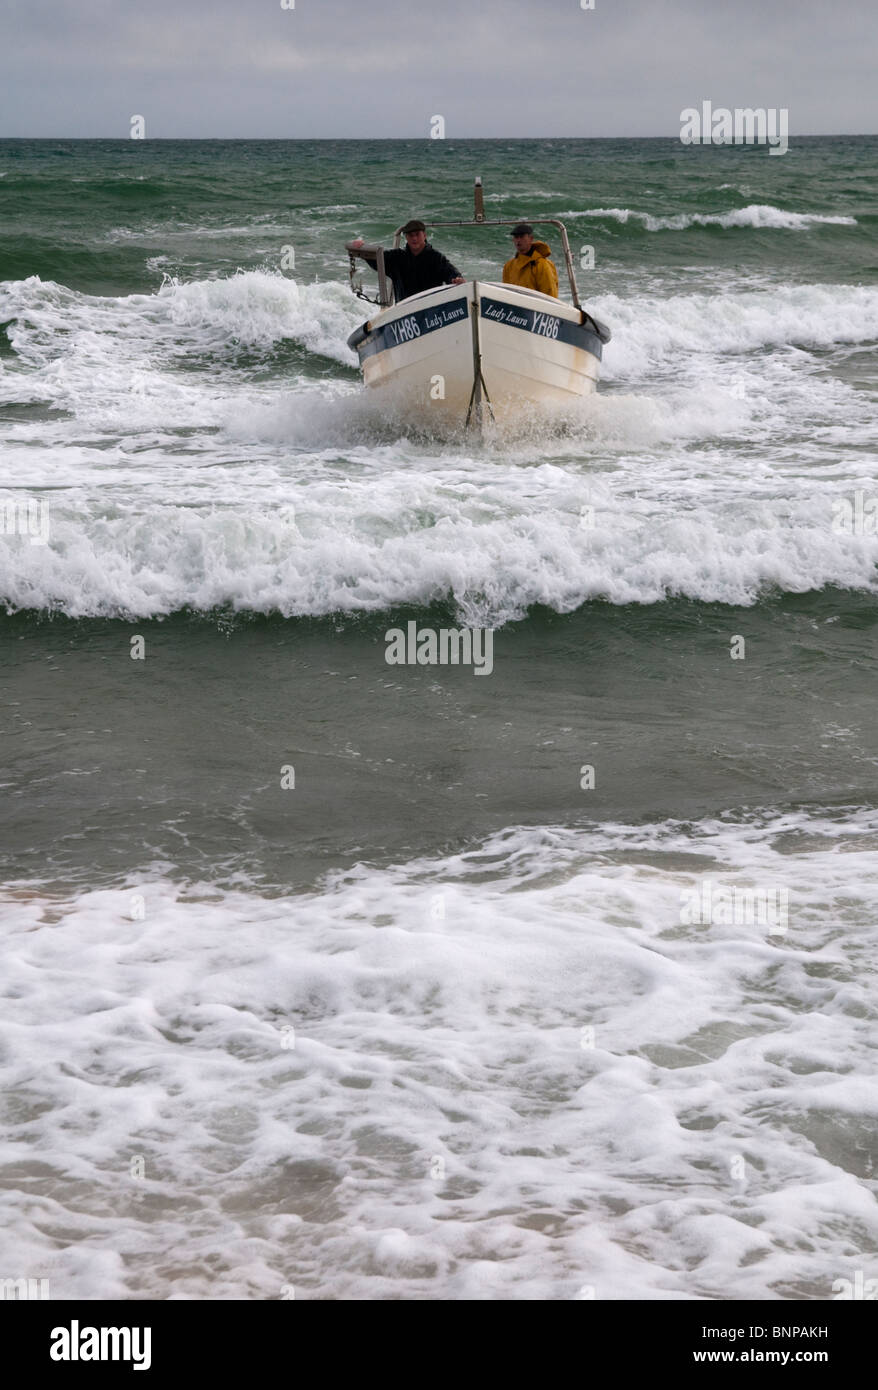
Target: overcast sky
[[332, 68]]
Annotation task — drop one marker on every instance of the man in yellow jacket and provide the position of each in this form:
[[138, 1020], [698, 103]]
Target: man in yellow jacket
[[531, 266]]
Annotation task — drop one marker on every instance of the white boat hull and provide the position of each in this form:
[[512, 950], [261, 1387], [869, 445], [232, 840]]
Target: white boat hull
[[481, 351]]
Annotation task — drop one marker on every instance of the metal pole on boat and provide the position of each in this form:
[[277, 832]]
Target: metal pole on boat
[[366, 253], [569, 259], [479, 397], [479, 199], [383, 293]]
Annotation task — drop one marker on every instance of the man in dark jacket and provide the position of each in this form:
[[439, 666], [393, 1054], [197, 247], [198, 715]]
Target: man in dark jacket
[[419, 267]]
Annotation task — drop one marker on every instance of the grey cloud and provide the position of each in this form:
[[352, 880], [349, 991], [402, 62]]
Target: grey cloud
[[509, 67]]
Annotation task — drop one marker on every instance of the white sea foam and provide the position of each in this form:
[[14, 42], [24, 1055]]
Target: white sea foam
[[514, 1072], [759, 215], [56, 325], [337, 545], [192, 231], [650, 329]]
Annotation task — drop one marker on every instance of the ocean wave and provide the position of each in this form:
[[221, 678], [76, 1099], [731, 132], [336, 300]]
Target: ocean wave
[[758, 215], [95, 336], [397, 537], [648, 329], [188, 231], [50, 324], [304, 498]]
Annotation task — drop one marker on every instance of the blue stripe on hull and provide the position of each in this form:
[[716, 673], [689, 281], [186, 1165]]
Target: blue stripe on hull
[[409, 327], [545, 325]]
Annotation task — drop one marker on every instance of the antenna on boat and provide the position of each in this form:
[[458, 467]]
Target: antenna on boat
[[479, 197]]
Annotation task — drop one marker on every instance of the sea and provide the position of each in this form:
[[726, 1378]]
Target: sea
[[330, 978]]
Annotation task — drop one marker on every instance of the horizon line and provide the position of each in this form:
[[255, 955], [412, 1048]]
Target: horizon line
[[360, 139]]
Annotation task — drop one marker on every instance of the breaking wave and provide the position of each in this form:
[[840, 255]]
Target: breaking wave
[[760, 215]]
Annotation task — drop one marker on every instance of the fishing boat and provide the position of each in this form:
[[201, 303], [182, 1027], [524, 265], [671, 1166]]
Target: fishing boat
[[482, 351]]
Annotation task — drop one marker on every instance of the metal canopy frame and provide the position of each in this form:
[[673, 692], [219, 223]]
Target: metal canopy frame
[[373, 253], [376, 253]]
